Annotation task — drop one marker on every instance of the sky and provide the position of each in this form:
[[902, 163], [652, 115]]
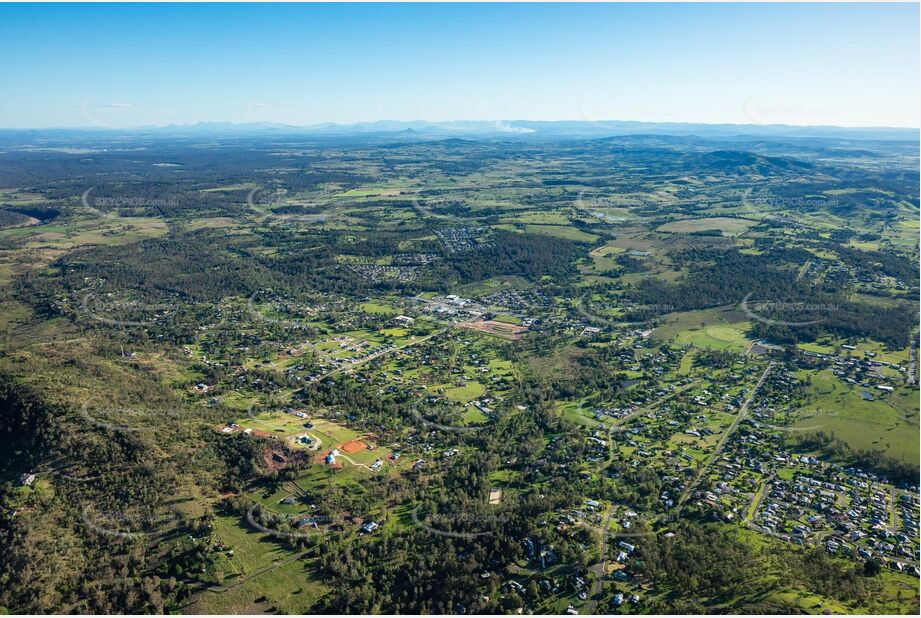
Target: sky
[[138, 65]]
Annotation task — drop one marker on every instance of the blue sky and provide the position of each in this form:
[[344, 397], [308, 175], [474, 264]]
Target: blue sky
[[130, 65]]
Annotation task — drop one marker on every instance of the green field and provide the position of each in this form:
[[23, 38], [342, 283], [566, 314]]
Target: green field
[[728, 226], [290, 588], [717, 337], [887, 423]]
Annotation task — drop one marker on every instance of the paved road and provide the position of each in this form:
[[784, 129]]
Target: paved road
[[626, 419], [594, 595], [349, 367], [722, 443], [912, 359]]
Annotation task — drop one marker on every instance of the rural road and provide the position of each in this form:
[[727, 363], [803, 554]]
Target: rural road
[[763, 491], [379, 354], [626, 419], [600, 568], [912, 358], [802, 271], [722, 443]]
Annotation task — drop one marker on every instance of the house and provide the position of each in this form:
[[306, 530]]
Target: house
[[370, 527], [306, 520], [528, 547]]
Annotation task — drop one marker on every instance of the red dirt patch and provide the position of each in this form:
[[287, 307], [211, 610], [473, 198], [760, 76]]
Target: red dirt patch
[[499, 329], [353, 446]]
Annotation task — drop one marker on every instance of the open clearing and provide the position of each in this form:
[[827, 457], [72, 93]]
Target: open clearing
[[728, 226], [499, 329]]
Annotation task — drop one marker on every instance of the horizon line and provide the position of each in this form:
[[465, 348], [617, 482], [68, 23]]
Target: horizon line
[[456, 120]]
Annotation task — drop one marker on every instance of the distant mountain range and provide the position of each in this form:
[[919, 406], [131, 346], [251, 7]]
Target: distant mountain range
[[514, 129]]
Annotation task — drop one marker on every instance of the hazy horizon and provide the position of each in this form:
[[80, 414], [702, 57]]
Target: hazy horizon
[[89, 127]]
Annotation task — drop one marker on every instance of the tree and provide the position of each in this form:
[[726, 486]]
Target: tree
[[872, 567]]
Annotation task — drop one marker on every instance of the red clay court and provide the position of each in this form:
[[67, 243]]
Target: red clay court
[[353, 446]]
